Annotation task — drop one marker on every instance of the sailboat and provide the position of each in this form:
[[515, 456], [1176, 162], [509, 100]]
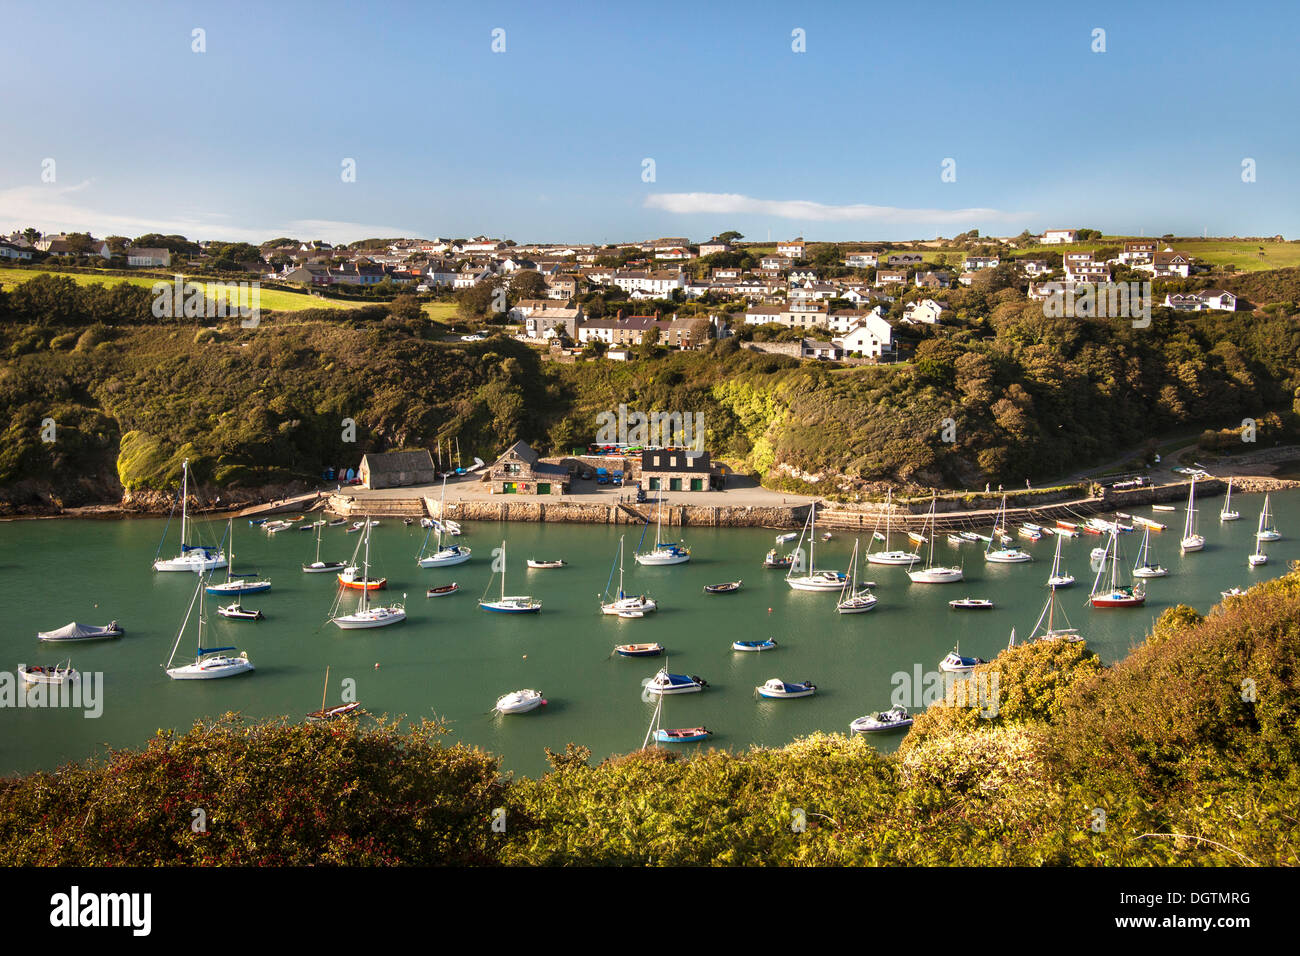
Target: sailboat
[[209, 662], [1259, 557], [443, 557], [663, 553], [1227, 514], [1191, 540], [318, 566], [1112, 593], [930, 574], [1059, 578], [1147, 566], [1267, 531], [193, 557], [853, 601], [1003, 554], [234, 585], [624, 603], [513, 604], [331, 713], [1051, 632], [887, 556], [812, 579], [678, 735], [366, 616]]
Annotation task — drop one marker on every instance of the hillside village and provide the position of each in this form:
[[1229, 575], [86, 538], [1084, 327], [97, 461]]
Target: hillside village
[[822, 301]]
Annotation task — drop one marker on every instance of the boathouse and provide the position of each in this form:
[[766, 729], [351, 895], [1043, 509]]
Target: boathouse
[[395, 469], [678, 469], [521, 472]]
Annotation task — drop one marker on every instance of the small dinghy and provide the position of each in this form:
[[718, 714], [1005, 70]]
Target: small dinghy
[[826, 535], [727, 588], [442, 590], [766, 645], [787, 537], [1164, 508], [333, 713], [969, 536], [519, 702], [777, 689], [954, 663], [956, 540], [666, 683], [971, 604], [630, 613], [45, 674], [639, 650], [895, 719], [239, 613], [82, 632], [773, 560], [275, 527], [427, 522], [682, 735], [546, 564], [323, 567], [336, 522]]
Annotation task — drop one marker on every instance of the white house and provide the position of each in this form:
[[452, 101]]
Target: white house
[[155, 258], [926, 312], [794, 249], [975, 263], [872, 339], [1167, 265], [862, 260], [658, 284], [842, 321], [1215, 299], [1034, 267], [1054, 237]]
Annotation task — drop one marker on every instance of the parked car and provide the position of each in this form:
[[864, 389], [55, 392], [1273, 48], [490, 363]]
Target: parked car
[[473, 337]]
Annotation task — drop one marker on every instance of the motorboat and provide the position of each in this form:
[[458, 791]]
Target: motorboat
[[776, 689], [955, 663], [239, 612], [895, 718], [729, 588], [442, 590], [519, 701], [665, 683], [682, 735], [971, 604], [82, 632], [533, 563], [773, 560], [48, 674]]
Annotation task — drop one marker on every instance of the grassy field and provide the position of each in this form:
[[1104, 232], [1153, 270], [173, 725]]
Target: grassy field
[[444, 312], [271, 299]]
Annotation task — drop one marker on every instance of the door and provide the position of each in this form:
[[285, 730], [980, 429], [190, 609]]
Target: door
[[674, 484], [697, 484], [508, 488], [543, 488], [654, 484]]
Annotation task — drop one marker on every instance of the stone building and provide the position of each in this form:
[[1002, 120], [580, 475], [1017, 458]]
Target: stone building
[[395, 469], [521, 472]]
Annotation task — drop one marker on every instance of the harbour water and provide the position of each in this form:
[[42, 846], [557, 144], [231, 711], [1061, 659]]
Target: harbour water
[[453, 660]]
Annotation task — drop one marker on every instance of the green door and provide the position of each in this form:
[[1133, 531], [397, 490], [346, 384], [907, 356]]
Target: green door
[[654, 484], [508, 488], [697, 484], [674, 484], [543, 487]]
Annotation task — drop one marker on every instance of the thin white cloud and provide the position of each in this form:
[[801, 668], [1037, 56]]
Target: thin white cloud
[[734, 203], [54, 208]]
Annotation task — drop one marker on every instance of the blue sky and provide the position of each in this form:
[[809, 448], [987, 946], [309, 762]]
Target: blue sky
[[546, 141]]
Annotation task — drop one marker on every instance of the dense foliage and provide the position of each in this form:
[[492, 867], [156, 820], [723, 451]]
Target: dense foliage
[[1186, 752]]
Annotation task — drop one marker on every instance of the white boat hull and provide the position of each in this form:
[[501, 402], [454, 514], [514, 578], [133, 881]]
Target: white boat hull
[[519, 702], [629, 604], [445, 558], [661, 558], [821, 581], [185, 562], [373, 617], [1156, 572], [935, 575], [892, 557], [1011, 556], [212, 668], [1194, 543]]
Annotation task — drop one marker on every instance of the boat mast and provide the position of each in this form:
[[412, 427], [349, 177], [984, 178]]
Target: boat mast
[[185, 493], [1189, 526], [365, 572], [325, 690]]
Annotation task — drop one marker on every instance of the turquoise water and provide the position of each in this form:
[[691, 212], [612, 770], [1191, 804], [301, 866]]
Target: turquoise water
[[452, 659]]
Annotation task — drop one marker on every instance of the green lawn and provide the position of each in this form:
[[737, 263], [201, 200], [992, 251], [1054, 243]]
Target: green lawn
[[1242, 256], [275, 300], [444, 312]]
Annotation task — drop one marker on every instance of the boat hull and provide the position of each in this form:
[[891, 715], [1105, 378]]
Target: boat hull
[[212, 668], [511, 606], [1011, 556], [443, 559], [822, 581], [186, 563], [893, 557], [375, 617], [324, 567], [1117, 599], [936, 576], [239, 587]]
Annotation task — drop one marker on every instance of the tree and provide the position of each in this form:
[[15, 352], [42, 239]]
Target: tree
[[31, 235], [730, 236], [528, 284], [406, 307]]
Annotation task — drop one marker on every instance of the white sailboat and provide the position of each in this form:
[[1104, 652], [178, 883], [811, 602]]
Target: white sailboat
[[1227, 514], [852, 600], [1112, 593], [1059, 578], [366, 616], [810, 579], [1051, 632], [1003, 554], [624, 603], [237, 585], [1147, 566], [443, 557], [1267, 531], [931, 574], [664, 553], [888, 556], [193, 557], [318, 566], [508, 604], [1259, 557], [209, 663], [1191, 540]]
